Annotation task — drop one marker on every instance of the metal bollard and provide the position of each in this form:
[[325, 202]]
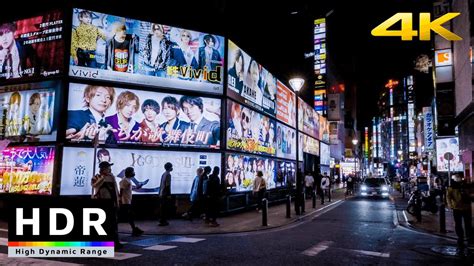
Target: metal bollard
[[297, 202], [314, 199], [288, 206], [303, 202], [264, 212]]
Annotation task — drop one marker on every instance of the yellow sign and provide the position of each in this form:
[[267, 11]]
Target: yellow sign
[[426, 26]]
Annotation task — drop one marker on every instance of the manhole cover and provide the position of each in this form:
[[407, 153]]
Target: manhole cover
[[446, 250], [148, 242]]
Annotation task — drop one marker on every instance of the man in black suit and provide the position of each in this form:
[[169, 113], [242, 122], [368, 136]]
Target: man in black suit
[[200, 130], [85, 124]]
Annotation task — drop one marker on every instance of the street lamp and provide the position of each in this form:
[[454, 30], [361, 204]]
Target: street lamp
[[355, 141], [296, 84]]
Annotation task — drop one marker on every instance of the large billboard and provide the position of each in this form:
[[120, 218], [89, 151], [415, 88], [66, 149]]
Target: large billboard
[[32, 47], [27, 112], [286, 142], [325, 155], [323, 129], [286, 105], [241, 171], [27, 170], [126, 50], [443, 147], [249, 82], [78, 163], [121, 115], [308, 119], [310, 145], [249, 130], [286, 173]]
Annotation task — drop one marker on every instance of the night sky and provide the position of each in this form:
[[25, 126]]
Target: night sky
[[278, 39]]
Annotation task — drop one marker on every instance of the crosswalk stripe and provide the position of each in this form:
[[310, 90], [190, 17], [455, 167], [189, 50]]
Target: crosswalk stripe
[[315, 250], [3, 241], [160, 247], [3, 230], [373, 253], [188, 240], [5, 260], [122, 256]]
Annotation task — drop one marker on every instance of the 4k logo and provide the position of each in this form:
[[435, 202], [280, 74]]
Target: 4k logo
[[426, 26]]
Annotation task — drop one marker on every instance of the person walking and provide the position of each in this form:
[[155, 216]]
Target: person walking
[[459, 201], [195, 197], [126, 200], [105, 188], [325, 187], [309, 184], [212, 197], [165, 194], [259, 189]]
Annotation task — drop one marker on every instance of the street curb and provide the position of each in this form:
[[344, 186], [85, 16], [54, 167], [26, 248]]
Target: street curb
[[262, 228], [408, 225]]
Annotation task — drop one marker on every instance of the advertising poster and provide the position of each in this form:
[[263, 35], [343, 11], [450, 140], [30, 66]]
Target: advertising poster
[[33, 47], [308, 119], [249, 82], [249, 130], [334, 107], [77, 168], [241, 171], [286, 173], [286, 105], [310, 145], [325, 155], [444, 146], [126, 50], [130, 116], [27, 170], [323, 129], [286, 142], [27, 112]]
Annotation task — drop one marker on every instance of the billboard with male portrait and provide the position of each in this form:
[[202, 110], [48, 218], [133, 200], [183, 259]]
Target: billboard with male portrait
[[241, 171], [286, 105], [323, 128], [119, 115], [308, 119], [27, 112], [120, 49], [249, 131], [310, 145], [27, 170], [285, 173], [286, 142], [32, 47], [325, 154], [78, 163], [443, 147], [249, 82]]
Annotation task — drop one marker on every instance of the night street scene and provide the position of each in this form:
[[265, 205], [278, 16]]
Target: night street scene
[[237, 132]]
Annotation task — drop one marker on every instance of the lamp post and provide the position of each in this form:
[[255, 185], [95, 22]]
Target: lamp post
[[296, 84], [355, 141]]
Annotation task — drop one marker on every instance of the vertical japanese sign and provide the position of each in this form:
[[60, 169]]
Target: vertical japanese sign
[[428, 128]]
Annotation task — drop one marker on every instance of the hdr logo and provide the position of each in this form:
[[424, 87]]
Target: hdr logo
[[48, 227]]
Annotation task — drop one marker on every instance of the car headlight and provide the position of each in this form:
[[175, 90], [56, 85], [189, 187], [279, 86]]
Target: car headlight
[[363, 188], [384, 188]]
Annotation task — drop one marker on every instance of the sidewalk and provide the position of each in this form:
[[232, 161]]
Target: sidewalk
[[429, 221], [235, 223]]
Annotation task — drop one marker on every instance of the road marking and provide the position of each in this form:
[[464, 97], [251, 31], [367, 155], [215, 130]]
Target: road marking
[[4, 230], [188, 240], [405, 215], [122, 256], [372, 253], [315, 250], [160, 247], [3, 241], [395, 218], [5, 260]]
